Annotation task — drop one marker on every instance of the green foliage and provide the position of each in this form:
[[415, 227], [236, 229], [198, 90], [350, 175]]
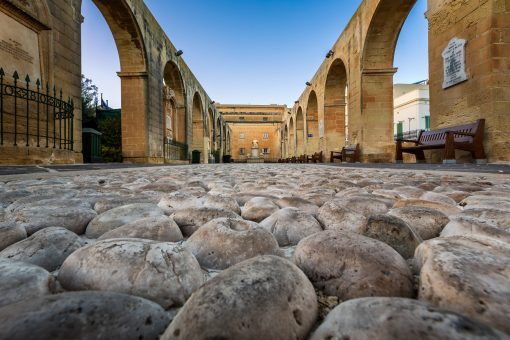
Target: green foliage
[[89, 101], [111, 139]]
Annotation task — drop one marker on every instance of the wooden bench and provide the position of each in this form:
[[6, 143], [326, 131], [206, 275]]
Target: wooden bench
[[315, 158], [467, 137], [349, 152]]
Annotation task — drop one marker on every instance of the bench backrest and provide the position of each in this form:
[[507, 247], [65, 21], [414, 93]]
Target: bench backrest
[[351, 149], [438, 137]]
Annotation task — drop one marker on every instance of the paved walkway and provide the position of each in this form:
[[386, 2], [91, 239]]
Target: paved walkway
[[474, 168]]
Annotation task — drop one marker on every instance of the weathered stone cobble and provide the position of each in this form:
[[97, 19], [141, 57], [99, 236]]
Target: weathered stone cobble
[[256, 251]]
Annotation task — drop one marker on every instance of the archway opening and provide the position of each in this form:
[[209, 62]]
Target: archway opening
[[292, 138], [335, 107], [218, 137], [300, 132], [374, 129], [312, 124], [285, 141], [210, 131], [128, 116], [174, 114], [198, 130], [411, 100]]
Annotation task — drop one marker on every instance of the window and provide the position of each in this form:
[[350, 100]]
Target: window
[[427, 122], [241, 151], [241, 135], [265, 119], [241, 118], [265, 135], [265, 151]]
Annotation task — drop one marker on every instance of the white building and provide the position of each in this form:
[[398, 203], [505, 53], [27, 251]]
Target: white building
[[411, 108]]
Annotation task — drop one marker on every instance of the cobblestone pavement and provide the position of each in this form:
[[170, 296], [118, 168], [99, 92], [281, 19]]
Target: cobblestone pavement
[[468, 167], [312, 250]]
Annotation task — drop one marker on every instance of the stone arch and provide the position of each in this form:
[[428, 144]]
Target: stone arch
[[335, 104], [292, 138], [300, 132], [133, 74], [312, 123], [285, 141], [174, 97], [375, 132], [218, 134], [210, 130], [198, 130]]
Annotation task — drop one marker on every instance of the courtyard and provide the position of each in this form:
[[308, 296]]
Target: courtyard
[[165, 201]]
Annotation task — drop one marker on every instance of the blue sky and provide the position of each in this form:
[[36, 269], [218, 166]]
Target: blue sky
[[249, 51]]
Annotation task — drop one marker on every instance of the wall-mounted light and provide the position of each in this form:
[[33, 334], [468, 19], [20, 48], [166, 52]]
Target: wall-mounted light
[[296, 102], [330, 54], [179, 53], [213, 102], [308, 83]]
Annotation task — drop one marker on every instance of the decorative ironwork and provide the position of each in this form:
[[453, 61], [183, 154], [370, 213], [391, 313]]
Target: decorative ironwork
[[25, 107], [175, 151]]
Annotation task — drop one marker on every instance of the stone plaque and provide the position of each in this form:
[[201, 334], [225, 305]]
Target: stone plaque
[[19, 49], [454, 60], [321, 128]]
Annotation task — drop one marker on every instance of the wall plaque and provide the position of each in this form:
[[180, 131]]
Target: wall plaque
[[454, 61], [19, 48]]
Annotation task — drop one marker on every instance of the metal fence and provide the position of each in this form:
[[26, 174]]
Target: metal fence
[[34, 115], [410, 135], [175, 151]]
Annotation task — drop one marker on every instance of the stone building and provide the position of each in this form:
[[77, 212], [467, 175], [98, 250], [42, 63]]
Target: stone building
[[249, 123], [411, 109]]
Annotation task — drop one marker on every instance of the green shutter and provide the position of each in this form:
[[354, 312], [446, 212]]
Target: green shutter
[[400, 130], [427, 122]]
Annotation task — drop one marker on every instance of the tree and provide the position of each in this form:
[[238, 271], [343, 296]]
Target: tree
[[111, 140], [89, 101]]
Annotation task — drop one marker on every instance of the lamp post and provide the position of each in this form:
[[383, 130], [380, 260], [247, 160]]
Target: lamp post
[[410, 120]]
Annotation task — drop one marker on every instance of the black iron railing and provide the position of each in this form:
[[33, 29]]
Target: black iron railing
[[409, 135], [175, 151], [34, 115]]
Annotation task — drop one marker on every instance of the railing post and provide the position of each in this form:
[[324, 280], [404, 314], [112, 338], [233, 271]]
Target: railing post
[[47, 115], [54, 117], [71, 112], [16, 77], [38, 84], [27, 79], [2, 73], [60, 121]]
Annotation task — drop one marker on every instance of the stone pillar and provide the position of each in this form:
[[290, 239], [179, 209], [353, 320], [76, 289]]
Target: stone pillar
[[134, 117], [376, 135]]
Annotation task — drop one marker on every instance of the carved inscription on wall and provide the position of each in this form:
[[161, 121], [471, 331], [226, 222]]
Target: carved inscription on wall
[[454, 61], [19, 48]]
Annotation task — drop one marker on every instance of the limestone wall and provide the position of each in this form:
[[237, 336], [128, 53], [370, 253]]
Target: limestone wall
[[486, 94]]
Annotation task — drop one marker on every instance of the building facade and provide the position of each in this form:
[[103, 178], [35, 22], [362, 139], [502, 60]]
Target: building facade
[[412, 108], [254, 125]]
